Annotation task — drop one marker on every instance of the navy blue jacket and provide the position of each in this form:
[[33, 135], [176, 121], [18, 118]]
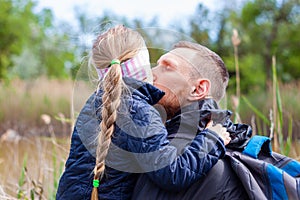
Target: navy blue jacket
[[139, 145]]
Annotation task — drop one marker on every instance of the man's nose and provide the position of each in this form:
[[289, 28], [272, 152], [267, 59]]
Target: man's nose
[[154, 72]]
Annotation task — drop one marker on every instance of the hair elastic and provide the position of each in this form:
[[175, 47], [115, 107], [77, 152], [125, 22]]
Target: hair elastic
[[96, 183], [115, 61]]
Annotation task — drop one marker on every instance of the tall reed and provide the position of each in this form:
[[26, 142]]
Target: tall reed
[[275, 121], [236, 41]]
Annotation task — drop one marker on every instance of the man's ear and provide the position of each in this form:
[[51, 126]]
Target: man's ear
[[200, 90]]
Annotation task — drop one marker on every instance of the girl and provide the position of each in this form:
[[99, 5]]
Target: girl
[[118, 133]]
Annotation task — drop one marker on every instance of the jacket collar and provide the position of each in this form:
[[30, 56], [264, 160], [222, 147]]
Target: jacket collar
[[199, 114], [195, 117]]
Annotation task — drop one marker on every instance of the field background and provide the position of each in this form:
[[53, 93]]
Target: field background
[[33, 160], [44, 77]]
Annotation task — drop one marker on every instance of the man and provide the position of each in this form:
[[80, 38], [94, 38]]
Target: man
[[138, 144], [195, 79]]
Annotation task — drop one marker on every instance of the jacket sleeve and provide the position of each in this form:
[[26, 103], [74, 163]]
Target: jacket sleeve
[[169, 168]]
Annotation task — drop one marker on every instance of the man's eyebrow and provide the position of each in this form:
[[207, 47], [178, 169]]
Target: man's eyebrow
[[172, 63], [167, 61]]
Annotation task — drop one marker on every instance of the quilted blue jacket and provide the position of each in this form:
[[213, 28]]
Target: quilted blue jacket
[[139, 145]]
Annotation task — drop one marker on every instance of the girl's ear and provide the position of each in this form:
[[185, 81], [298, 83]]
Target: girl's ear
[[200, 90]]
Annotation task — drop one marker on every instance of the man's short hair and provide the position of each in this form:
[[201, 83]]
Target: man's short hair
[[207, 64]]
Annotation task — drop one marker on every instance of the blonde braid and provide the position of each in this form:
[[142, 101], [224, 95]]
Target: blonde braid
[[112, 85], [122, 43]]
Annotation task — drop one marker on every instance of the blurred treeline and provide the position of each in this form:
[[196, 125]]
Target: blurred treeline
[[32, 43]]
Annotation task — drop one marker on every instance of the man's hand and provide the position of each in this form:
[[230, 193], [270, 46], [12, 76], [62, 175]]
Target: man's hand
[[220, 130]]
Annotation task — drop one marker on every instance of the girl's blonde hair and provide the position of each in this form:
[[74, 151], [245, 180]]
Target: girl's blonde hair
[[119, 43]]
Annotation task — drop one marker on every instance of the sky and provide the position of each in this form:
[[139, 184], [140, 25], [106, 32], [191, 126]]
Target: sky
[[167, 11]]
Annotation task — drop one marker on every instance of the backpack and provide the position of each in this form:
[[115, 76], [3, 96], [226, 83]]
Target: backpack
[[266, 174]]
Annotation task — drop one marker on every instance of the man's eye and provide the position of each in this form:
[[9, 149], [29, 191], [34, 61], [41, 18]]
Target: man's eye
[[168, 67]]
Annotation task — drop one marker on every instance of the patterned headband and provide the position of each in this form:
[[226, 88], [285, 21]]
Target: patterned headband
[[134, 67]]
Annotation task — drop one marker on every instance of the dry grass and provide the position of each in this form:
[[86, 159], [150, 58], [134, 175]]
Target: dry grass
[[39, 159], [23, 102], [33, 156], [263, 102]]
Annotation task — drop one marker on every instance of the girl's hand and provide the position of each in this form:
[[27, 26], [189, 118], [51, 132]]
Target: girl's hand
[[220, 130]]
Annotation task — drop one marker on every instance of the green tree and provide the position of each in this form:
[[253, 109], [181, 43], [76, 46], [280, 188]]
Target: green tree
[[16, 21], [30, 44], [200, 25], [266, 28], [48, 52], [272, 28]]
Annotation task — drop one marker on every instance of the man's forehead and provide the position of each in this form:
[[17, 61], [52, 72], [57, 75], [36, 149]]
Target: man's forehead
[[187, 57], [185, 54]]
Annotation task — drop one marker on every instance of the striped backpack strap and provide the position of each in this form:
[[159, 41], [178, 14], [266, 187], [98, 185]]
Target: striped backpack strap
[[287, 164], [262, 144], [282, 172]]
